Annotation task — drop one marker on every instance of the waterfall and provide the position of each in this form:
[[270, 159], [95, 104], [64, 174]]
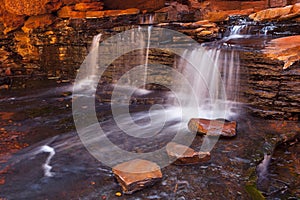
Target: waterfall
[[87, 80], [147, 56], [214, 81]]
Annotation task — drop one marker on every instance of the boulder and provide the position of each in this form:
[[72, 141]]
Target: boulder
[[149, 5], [31, 7], [285, 49], [137, 174], [212, 127], [184, 155]]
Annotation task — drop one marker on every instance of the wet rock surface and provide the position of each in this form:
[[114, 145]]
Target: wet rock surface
[[43, 117], [213, 127], [137, 174], [184, 155]]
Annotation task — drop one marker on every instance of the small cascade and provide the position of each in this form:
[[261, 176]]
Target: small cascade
[[147, 19], [147, 56], [214, 80], [91, 63]]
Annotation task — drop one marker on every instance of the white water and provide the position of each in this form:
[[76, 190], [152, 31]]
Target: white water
[[46, 166], [92, 66], [147, 56], [214, 81]]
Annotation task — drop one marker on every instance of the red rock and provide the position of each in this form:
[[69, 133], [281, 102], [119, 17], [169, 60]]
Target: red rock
[[296, 8], [271, 13], [95, 14], [212, 127], [285, 49], [149, 5], [67, 12], [94, 6], [184, 155], [31, 7], [38, 21], [223, 15], [137, 174]]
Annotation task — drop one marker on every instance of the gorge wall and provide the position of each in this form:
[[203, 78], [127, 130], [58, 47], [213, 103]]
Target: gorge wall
[[49, 39]]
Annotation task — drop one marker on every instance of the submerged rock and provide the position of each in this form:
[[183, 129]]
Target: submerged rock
[[212, 127], [185, 155], [136, 174]]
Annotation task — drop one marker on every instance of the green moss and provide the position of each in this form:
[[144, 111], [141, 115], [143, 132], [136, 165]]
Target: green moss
[[254, 193]]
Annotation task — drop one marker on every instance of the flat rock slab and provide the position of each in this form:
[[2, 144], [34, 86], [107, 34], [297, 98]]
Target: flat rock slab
[[137, 174], [212, 127], [184, 155]]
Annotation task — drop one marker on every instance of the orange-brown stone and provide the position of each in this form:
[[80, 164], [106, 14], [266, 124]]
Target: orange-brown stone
[[285, 49], [149, 5], [271, 13], [89, 6], [212, 127], [38, 21], [31, 7], [184, 155], [67, 12], [136, 174]]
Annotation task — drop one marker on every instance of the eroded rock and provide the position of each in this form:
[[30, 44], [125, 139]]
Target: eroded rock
[[285, 49], [283, 13], [137, 174], [38, 21], [31, 7], [212, 127], [183, 155]]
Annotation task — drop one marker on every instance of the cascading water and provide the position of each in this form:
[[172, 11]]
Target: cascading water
[[217, 84], [91, 62], [147, 55]]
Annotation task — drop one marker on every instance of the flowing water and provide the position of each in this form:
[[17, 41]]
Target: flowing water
[[56, 165]]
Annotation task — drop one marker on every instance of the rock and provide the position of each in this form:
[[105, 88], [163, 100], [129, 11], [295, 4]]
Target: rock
[[95, 14], [24, 48], [149, 5], [184, 155], [136, 174], [271, 13], [68, 12], [112, 13], [31, 7], [204, 33], [212, 127], [94, 6], [223, 15], [38, 21], [285, 49], [296, 8]]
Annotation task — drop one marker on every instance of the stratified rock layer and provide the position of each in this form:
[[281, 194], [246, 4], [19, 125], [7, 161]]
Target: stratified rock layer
[[137, 174]]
